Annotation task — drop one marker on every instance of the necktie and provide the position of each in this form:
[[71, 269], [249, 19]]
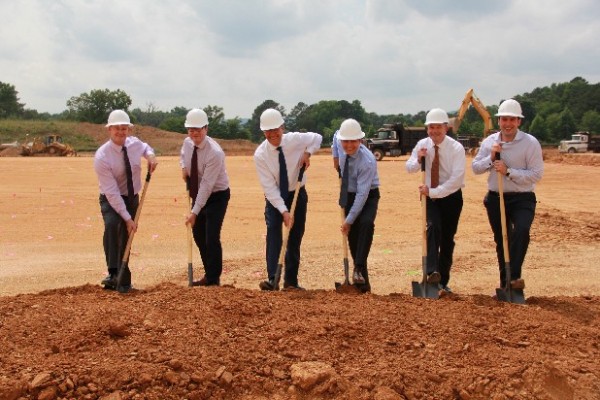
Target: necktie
[[130, 193], [435, 169], [194, 175], [283, 176], [344, 189]]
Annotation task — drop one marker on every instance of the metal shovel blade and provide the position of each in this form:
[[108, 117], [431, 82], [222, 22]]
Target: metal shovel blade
[[515, 296], [427, 290], [346, 287]]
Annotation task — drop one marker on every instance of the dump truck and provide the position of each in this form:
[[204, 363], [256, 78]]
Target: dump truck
[[51, 145], [394, 140], [580, 142]]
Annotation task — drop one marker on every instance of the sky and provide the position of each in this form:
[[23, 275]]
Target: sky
[[394, 56]]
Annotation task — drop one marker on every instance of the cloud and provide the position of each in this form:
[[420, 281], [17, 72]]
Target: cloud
[[394, 56]]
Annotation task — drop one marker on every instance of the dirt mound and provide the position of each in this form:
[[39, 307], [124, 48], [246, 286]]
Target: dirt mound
[[554, 156], [172, 342], [10, 152]]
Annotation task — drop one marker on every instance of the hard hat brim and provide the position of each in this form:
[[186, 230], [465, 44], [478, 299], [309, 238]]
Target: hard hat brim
[[118, 123]]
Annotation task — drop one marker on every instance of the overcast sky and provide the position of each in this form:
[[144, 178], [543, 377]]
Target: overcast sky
[[395, 56]]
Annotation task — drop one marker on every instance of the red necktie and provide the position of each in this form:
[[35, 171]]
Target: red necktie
[[435, 169]]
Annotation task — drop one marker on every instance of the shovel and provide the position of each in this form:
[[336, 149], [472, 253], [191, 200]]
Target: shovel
[[123, 267], [189, 240], [345, 287], [507, 293], [286, 233], [423, 288]]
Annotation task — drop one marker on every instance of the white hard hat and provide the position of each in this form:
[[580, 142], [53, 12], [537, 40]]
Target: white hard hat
[[118, 117], [510, 108], [350, 130], [270, 119], [436, 116], [196, 118]]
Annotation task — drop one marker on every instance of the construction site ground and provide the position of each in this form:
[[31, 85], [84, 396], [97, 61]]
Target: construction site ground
[[63, 337]]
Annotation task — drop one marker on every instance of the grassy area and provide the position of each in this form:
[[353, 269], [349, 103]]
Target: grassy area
[[25, 130]]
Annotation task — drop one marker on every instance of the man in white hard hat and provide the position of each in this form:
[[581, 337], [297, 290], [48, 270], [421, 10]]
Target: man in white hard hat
[[521, 166], [359, 196], [202, 164], [278, 154], [444, 160], [118, 166]]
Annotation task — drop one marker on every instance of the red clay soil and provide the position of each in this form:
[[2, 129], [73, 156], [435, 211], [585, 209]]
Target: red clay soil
[[169, 342]]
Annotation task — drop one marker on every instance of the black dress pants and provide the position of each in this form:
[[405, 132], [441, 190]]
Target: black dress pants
[[207, 234], [442, 222]]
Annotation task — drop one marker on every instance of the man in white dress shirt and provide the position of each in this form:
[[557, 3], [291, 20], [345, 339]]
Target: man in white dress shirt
[[118, 194], [286, 153], [209, 191], [445, 177]]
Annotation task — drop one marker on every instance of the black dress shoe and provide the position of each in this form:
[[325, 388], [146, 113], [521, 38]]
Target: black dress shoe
[[289, 286], [205, 282], [266, 285], [110, 282]]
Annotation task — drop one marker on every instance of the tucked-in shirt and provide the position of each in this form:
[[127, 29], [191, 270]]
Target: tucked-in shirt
[[212, 175], [362, 177], [266, 159], [109, 165], [452, 165], [523, 156]]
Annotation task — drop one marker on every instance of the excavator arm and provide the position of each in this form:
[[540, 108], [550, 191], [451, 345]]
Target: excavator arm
[[471, 99]]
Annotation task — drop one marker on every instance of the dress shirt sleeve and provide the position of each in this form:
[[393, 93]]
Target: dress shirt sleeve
[[413, 164], [365, 177], [334, 146], [215, 162], [182, 158], [535, 167], [110, 188], [457, 173], [483, 161], [314, 143], [269, 183]]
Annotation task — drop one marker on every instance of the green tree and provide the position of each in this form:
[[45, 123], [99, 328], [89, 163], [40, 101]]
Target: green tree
[[552, 127], [538, 129], [95, 106], [9, 101], [291, 119], [566, 124], [253, 124], [216, 121], [590, 121]]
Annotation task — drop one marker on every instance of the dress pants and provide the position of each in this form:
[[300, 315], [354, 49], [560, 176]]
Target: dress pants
[[442, 222], [115, 237], [207, 234], [274, 221], [361, 232], [520, 211]]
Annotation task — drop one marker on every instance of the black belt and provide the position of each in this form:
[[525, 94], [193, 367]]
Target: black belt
[[508, 194], [103, 197]]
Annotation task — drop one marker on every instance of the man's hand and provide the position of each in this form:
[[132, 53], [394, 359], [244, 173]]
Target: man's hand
[[288, 220], [305, 160], [424, 190], [131, 226], [152, 163], [184, 175], [191, 220], [345, 228]]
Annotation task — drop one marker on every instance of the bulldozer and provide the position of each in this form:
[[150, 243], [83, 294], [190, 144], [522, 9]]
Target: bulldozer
[[51, 145]]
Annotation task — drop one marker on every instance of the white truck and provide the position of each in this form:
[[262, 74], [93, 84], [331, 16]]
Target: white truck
[[580, 143]]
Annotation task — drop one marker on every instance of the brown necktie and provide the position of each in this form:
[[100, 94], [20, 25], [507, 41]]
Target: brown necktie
[[435, 169], [129, 175], [194, 176]]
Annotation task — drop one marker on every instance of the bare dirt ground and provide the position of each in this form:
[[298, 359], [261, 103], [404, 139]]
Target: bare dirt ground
[[63, 337]]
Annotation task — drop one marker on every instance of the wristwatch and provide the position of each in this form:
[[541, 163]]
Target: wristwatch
[[508, 172]]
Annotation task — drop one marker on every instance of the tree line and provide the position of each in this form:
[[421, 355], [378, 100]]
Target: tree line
[[552, 113]]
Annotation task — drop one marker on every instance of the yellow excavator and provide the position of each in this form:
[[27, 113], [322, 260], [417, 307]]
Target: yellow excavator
[[472, 100]]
